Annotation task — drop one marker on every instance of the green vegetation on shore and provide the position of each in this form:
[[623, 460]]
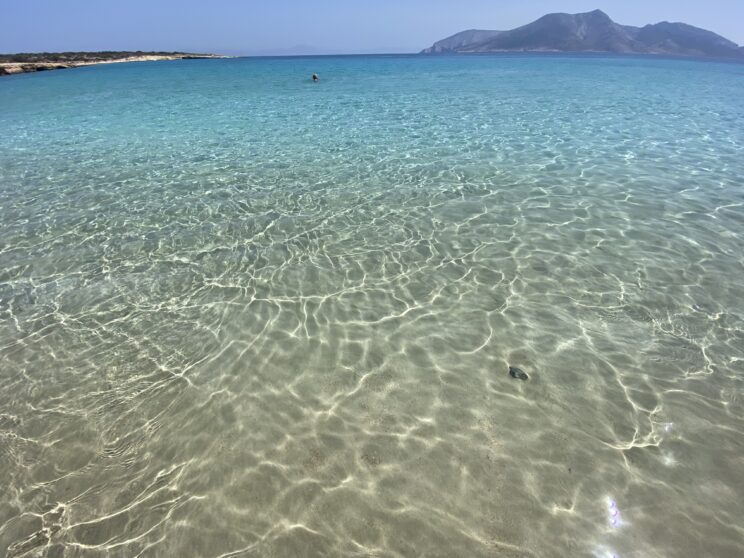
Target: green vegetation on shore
[[39, 61], [43, 57]]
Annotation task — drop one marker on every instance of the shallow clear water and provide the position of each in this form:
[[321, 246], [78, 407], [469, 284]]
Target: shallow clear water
[[242, 314]]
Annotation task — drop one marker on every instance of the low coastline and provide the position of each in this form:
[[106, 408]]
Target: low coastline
[[57, 62]]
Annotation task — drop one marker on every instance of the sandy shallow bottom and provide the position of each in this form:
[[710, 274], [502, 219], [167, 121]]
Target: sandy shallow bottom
[[273, 319]]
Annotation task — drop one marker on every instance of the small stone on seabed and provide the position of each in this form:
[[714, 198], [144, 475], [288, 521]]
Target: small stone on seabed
[[517, 373]]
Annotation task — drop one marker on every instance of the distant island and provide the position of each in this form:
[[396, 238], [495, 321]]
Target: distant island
[[37, 62], [592, 32]]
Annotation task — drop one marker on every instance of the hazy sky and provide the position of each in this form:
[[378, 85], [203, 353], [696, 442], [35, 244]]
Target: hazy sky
[[327, 26]]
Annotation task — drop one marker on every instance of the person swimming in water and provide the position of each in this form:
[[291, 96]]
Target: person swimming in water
[[315, 77]]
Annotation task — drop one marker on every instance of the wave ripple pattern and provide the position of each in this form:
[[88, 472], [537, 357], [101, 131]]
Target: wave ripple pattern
[[245, 314]]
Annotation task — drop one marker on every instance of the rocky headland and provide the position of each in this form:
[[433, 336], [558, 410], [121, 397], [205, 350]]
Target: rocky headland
[[36, 62], [592, 32]]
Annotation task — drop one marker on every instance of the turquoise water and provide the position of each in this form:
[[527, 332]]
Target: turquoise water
[[242, 314]]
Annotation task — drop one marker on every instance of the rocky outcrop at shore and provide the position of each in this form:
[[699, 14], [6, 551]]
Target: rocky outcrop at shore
[[7, 69], [21, 63]]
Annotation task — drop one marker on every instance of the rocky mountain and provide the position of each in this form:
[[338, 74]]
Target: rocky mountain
[[460, 40], [592, 32]]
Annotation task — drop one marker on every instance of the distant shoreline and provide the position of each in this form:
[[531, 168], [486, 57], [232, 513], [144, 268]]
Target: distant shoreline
[[25, 63]]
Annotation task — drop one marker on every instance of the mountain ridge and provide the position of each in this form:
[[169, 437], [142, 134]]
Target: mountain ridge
[[592, 31]]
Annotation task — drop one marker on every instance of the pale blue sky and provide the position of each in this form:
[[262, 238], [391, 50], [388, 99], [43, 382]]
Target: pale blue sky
[[311, 26]]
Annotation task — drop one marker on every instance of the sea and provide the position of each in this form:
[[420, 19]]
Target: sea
[[244, 314]]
